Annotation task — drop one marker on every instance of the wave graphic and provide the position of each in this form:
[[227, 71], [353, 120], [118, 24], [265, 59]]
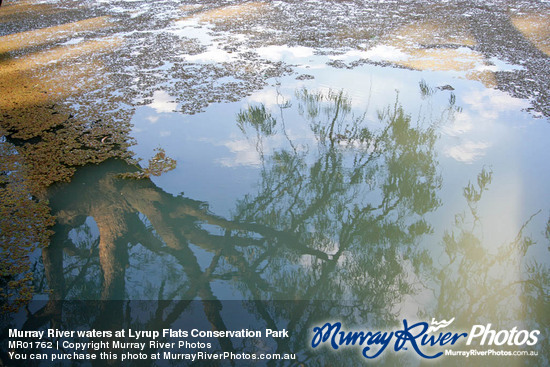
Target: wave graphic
[[439, 325]]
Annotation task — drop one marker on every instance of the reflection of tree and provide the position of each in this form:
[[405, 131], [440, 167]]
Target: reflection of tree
[[42, 139], [356, 204], [339, 220], [434, 35], [500, 285], [260, 120], [336, 221], [257, 117]]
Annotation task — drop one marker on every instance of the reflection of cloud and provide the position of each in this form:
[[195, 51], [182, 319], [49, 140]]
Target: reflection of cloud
[[245, 154], [483, 111], [496, 64], [353, 54], [212, 55], [278, 53], [377, 53], [244, 151], [467, 152], [190, 29], [267, 97], [162, 102], [385, 53], [491, 102], [152, 119], [460, 125]]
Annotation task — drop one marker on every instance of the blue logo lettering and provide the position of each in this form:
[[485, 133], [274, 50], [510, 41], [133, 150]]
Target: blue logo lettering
[[374, 343]]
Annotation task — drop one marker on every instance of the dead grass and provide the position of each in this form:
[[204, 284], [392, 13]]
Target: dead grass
[[246, 11], [22, 40], [536, 28]]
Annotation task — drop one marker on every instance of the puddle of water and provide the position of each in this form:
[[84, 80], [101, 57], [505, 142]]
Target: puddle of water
[[400, 168], [256, 160]]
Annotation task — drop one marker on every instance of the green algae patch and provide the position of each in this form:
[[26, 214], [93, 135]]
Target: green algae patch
[[43, 141], [24, 227], [157, 165], [32, 159]]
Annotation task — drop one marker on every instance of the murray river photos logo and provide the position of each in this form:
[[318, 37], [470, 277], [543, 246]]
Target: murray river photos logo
[[418, 337]]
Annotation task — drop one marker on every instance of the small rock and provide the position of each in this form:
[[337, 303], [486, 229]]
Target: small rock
[[305, 77]]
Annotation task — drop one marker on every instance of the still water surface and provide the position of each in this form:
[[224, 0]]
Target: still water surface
[[404, 170]]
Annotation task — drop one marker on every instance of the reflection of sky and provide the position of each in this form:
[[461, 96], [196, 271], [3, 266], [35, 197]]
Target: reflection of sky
[[218, 164], [285, 53], [376, 53], [201, 33], [162, 103], [487, 115]]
